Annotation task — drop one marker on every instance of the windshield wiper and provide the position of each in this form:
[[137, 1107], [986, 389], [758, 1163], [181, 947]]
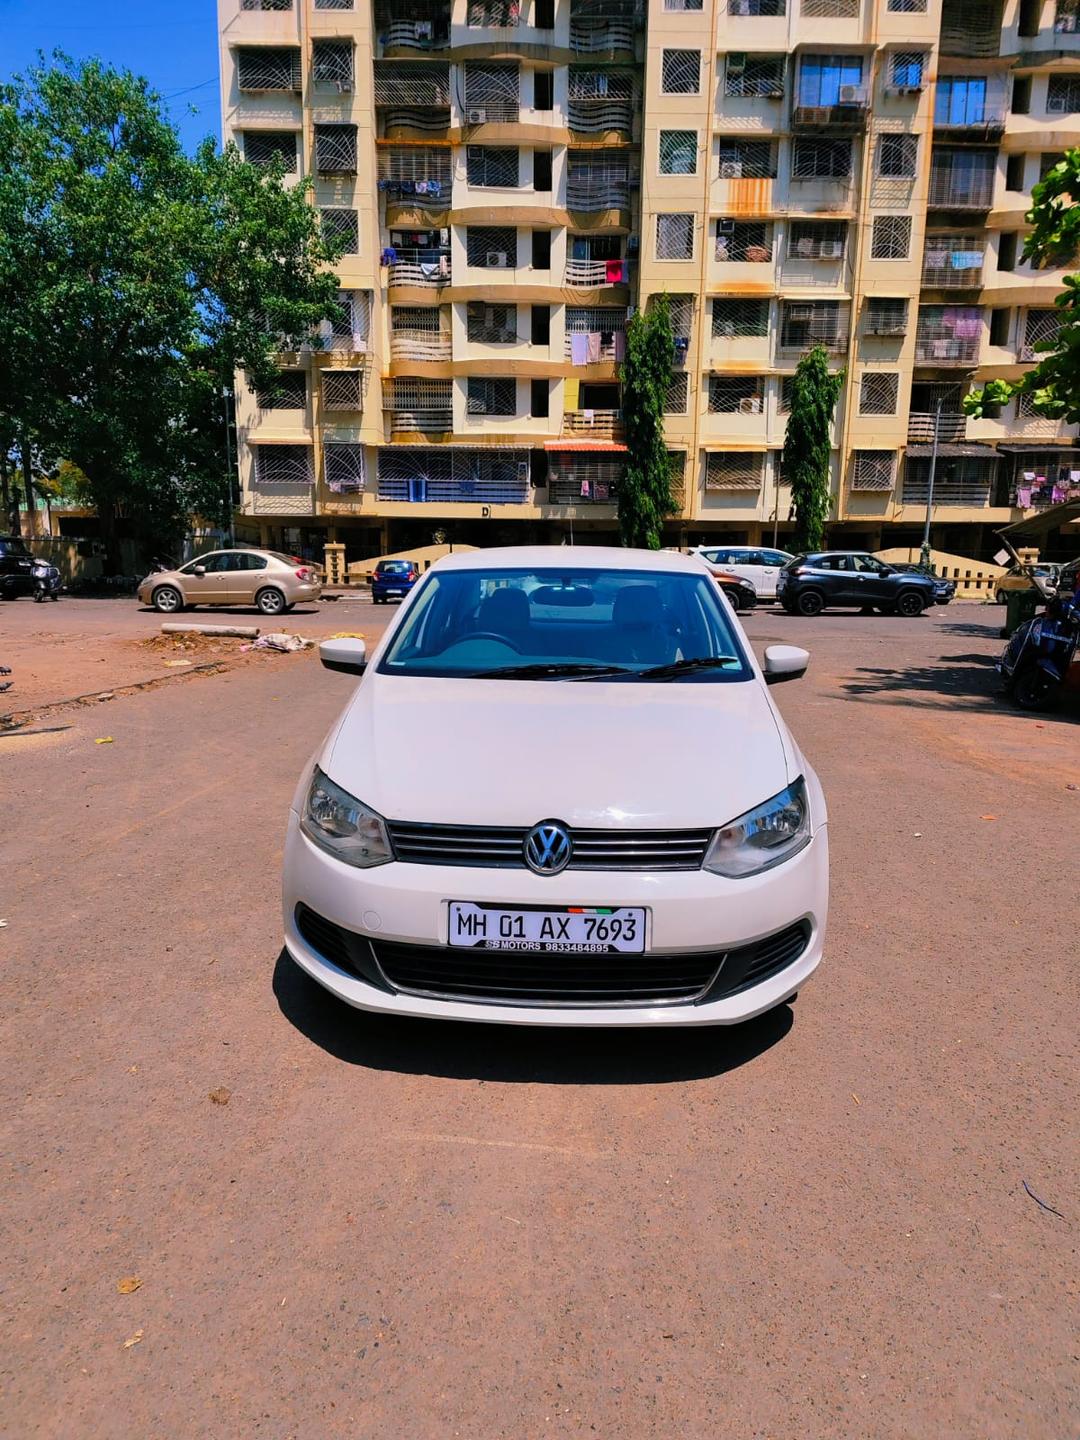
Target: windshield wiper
[[547, 670], [687, 667]]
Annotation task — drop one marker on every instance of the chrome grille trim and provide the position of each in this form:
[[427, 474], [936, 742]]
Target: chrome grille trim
[[502, 847]]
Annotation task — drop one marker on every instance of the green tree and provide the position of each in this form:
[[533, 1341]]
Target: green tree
[[136, 280], [1054, 381], [645, 493], [804, 463]]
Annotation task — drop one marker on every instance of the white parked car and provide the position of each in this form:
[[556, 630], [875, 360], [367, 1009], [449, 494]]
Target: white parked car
[[561, 795], [749, 562]]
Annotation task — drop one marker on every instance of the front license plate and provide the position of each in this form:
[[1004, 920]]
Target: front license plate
[[586, 930]]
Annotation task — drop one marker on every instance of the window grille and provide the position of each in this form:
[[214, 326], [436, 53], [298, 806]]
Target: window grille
[[680, 72], [1047, 161], [265, 4], [596, 31], [891, 238], [739, 317], [1025, 407], [597, 183], [600, 100], [908, 7], [420, 171], [958, 480], [343, 468], [682, 316], [683, 4], [342, 227], [488, 166], [287, 391], [756, 7], [678, 152], [873, 469], [335, 149], [897, 156], [948, 334], [333, 4], [491, 324], [492, 247], [332, 64], [953, 261], [350, 328], [263, 147], [817, 239], [831, 9], [425, 405], [783, 404], [1066, 17], [674, 237], [744, 240], [575, 479], [754, 75], [1063, 95], [454, 474], [678, 391], [491, 93], [486, 396], [821, 160], [747, 159], [804, 324], [604, 322], [734, 470], [258, 67], [342, 389], [409, 82], [284, 465], [496, 14], [886, 315], [417, 333], [736, 394], [1040, 328], [962, 179], [878, 393], [907, 68]]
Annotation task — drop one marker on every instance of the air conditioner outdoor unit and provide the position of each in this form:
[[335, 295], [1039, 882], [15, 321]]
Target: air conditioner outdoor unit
[[344, 87], [850, 94], [750, 405], [1055, 105], [725, 227], [736, 62], [831, 249], [496, 259], [731, 170], [476, 117]]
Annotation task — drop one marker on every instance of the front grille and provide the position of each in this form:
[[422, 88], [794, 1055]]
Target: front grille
[[502, 847]]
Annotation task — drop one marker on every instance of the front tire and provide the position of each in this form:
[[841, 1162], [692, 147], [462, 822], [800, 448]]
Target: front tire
[[909, 604], [810, 603], [1033, 689], [167, 600], [270, 602]]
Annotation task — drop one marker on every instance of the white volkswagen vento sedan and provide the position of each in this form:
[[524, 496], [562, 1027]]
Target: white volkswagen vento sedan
[[562, 795]]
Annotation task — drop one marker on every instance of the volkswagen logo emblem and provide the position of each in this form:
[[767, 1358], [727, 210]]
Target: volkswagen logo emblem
[[548, 848]]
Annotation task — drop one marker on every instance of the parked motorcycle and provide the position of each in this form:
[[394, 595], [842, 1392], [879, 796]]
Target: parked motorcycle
[[1036, 660], [47, 582]]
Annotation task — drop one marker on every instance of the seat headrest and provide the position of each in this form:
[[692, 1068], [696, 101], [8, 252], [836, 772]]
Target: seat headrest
[[637, 605], [503, 608]]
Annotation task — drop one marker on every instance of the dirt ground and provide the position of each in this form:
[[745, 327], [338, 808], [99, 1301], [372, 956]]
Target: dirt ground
[[823, 1224]]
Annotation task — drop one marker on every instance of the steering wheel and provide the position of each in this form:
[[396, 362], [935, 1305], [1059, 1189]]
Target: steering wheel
[[490, 635]]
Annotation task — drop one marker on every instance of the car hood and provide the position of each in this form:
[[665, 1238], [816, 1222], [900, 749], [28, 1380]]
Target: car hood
[[513, 752]]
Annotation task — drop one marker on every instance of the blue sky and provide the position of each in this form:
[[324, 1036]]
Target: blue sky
[[173, 45]]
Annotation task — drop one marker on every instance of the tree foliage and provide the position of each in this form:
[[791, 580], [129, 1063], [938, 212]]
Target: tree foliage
[[1054, 381], [135, 280], [807, 446], [645, 492]]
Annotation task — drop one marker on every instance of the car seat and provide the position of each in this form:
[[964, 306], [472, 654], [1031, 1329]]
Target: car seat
[[642, 634]]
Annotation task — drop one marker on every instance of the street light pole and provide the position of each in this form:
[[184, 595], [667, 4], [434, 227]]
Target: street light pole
[[924, 552], [229, 467]]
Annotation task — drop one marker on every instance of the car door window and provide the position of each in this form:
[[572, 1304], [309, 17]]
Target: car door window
[[830, 562], [775, 557], [868, 565], [753, 557], [252, 562]]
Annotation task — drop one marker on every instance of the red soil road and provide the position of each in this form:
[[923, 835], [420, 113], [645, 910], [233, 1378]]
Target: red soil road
[[813, 1226]]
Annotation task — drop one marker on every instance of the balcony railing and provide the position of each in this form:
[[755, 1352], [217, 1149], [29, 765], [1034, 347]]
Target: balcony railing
[[599, 424], [428, 269], [570, 490], [420, 345], [608, 350], [599, 190], [414, 35], [593, 37], [849, 114], [953, 262], [454, 474], [590, 274], [951, 428], [961, 189], [934, 348], [430, 420]]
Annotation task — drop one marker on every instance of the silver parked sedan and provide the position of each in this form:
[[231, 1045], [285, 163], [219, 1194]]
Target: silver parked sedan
[[267, 579]]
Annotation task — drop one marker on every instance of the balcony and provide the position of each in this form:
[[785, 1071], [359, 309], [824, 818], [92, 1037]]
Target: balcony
[[951, 428], [599, 35], [970, 107], [426, 269], [412, 96], [948, 335], [418, 26], [416, 175], [416, 334], [960, 189], [593, 187], [600, 101], [596, 274], [454, 475], [595, 337], [593, 424], [953, 262]]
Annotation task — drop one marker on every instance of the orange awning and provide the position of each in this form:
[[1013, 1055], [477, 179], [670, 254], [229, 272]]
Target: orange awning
[[608, 445]]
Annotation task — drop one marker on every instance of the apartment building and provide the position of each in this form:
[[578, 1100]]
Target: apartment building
[[511, 177]]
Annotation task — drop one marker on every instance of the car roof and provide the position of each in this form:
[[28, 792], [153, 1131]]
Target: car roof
[[570, 557]]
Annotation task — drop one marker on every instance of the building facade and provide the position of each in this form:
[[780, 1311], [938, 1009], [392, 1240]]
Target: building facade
[[510, 178]]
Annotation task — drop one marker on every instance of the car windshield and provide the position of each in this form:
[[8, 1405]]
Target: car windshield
[[566, 623]]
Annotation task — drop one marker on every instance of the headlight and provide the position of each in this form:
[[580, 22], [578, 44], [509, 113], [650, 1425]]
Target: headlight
[[763, 837], [339, 824]]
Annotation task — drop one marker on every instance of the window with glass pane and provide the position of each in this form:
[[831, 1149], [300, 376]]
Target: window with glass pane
[[678, 152], [734, 470], [490, 165], [754, 75], [908, 7], [906, 69], [487, 396], [878, 394], [341, 226], [891, 237], [287, 391], [821, 78], [680, 72], [960, 100], [821, 160], [674, 237], [1063, 95], [342, 389], [732, 318], [263, 147], [898, 156]]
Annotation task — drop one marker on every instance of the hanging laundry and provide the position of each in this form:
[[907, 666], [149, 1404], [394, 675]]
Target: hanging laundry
[[620, 344], [936, 259], [968, 326], [1057, 494], [389, 256], [614, 272], [593, 347], [966, 259], [579, 349], [584, 489], [444, 267], [1023, 497], [603, 489]]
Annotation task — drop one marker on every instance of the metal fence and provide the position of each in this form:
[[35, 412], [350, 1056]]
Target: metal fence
[[454, 475]]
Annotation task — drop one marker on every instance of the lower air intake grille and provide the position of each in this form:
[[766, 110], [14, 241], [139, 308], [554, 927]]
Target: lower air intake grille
[[751, 964]]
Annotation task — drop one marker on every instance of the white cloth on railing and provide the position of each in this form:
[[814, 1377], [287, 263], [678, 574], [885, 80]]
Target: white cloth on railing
[[579, 349]]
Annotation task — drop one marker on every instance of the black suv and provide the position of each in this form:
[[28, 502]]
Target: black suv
[[16, 568], [848, 577]]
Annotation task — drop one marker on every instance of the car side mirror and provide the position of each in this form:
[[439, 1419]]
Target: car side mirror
[[349, 656], [785, 662], [199, 570]]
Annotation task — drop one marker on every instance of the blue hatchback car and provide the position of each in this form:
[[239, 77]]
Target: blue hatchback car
[[393, 579]]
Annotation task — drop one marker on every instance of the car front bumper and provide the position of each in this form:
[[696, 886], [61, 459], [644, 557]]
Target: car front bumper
[[689, 911]]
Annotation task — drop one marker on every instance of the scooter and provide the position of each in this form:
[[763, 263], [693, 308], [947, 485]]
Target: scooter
[[1036, 660], [47, 583]]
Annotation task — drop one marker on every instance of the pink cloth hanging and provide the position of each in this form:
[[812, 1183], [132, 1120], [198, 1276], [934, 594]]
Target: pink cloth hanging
[[1023, 498], [613, 272]]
